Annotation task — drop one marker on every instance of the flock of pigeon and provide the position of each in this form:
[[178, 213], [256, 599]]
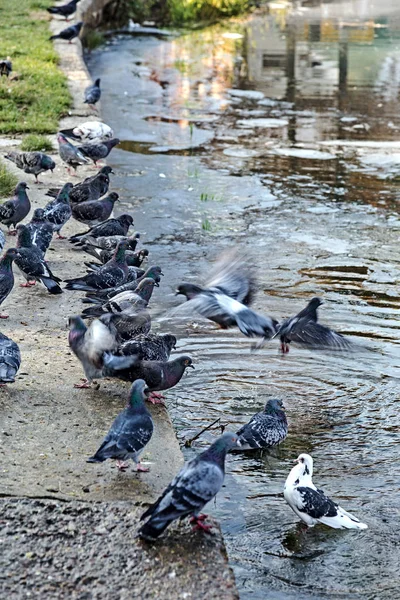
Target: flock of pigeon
[[118, 341]]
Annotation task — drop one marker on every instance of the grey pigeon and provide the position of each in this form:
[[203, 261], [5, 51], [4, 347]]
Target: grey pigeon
[[118, 226], [134, 259], [112, 273], [32, 265], [58, 211], [96, 211], [265, 429], [15, 210], [65, 10], [110, 242], [6, 275], [129, 324], [158, 375], [70, 154], [89, 344], [5, 67], [32, 162], [41, 230], [304, 329], [129, 433], [91, 188], [10, 359], [2, 240], [153, 272], [196, 484], [125, 301], [150, 346], [92, 94], [69, 33], [94, 132], [97, 152]]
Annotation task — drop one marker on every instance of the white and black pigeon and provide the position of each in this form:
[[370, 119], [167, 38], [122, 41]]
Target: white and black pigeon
[[92, 94], [304, 329], [129, 433], [310, 503], [70, 154], [15, 210], [225, 298], [41, 230], [93, 132], [32, 162], [10, 359], [32, 265], [265, 429], [5, 66], [58, 211], [196, 484]]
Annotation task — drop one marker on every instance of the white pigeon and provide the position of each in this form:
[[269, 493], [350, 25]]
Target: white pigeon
[[93, 132], [311, 504]]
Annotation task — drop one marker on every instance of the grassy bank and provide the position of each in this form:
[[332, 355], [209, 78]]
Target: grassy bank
[[184, 12], [38, 97]]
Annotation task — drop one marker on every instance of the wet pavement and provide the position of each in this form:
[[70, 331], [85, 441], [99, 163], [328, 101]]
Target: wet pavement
[[278, 135]]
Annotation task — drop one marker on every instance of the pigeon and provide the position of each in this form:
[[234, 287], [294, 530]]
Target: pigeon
[[118, 226], [91, 188], [158, 375], [311, 504], [304, 329], [32, 265], [70, 154], [6, 275], [110, 242], [95, 212], [15, 210], [58, 211], [265, 429], [112, 273], [128, 300], [69, 33], [153, 272], [91, 131], [10, 359], [92, 94], [97, 152], [196, 484], [2, 240], [41, 230], [129, 433], [5, 67], [150, 346], [133, 259], [89, 345], [65, 10], [32, 162], [129, 324]]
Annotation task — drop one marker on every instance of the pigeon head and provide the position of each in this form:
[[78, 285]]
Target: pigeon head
[[63, 194], [77, 323], [48, 162], [306, 463], [189, 290], [9, 256], [126, 220], [24, 239], [61, 139], [154, 273], [219, 449], [104, 178], [77, 330], [185, 361], [273, 406], [145, 286], [169, 340], [38, 214], [21, 187], [112, 143], [106, 170], [138, 393], [97, 83], [113, 196], [311, 309]]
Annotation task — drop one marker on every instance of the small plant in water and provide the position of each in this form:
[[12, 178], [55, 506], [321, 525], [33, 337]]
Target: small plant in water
[[206, 225], [204, 197], [38, 143]]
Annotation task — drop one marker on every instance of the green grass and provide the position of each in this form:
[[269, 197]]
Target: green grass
[[206, 225], [35, 101], [193, 11], [8, 181], [34, 142], [93, 39]]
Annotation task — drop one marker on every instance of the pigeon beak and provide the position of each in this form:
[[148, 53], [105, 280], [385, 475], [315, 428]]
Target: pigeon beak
[[191, 366], [177, 292], [27, 187], [146, 391], [156, 284], [161, 273]]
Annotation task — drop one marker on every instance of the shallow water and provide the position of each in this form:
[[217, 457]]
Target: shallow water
[[302, 172]]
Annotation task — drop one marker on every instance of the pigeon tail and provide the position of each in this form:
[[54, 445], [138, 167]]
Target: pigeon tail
[[51, 285], [343, 520], [151, 531], [118, 363]]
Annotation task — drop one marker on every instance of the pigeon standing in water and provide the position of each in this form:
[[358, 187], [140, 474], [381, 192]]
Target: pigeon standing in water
[[5, 67], [93, 132], [7, 275], [32, 265], [97, 152], [265, 429], [32, 162], [129, 433], [41, 230], [15, 210], [10, 360], [112, 273], [96, 211], [58, 211], [305, 330], [70, 154], [196, 484], [65, 10], [310, 503], [92, 94], [69, 33]]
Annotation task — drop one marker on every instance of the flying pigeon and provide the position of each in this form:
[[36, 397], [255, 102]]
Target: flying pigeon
[[158, 375], [58, 211], [129, 433], [265, 429], [112, 273], [304, 329], [91, 188], [65, 10], [15, 210], [110, 242], [310, 503], [150, 346], [70, 154], [69, 33], [7, 275], [89, 344], [95, 212], [32, 162], [97, 152], [5, 67], [41, 230], [153, 272], [196, 484], [118, 226], [91, 131], [10, 359], [32, 265], [92, 94]]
